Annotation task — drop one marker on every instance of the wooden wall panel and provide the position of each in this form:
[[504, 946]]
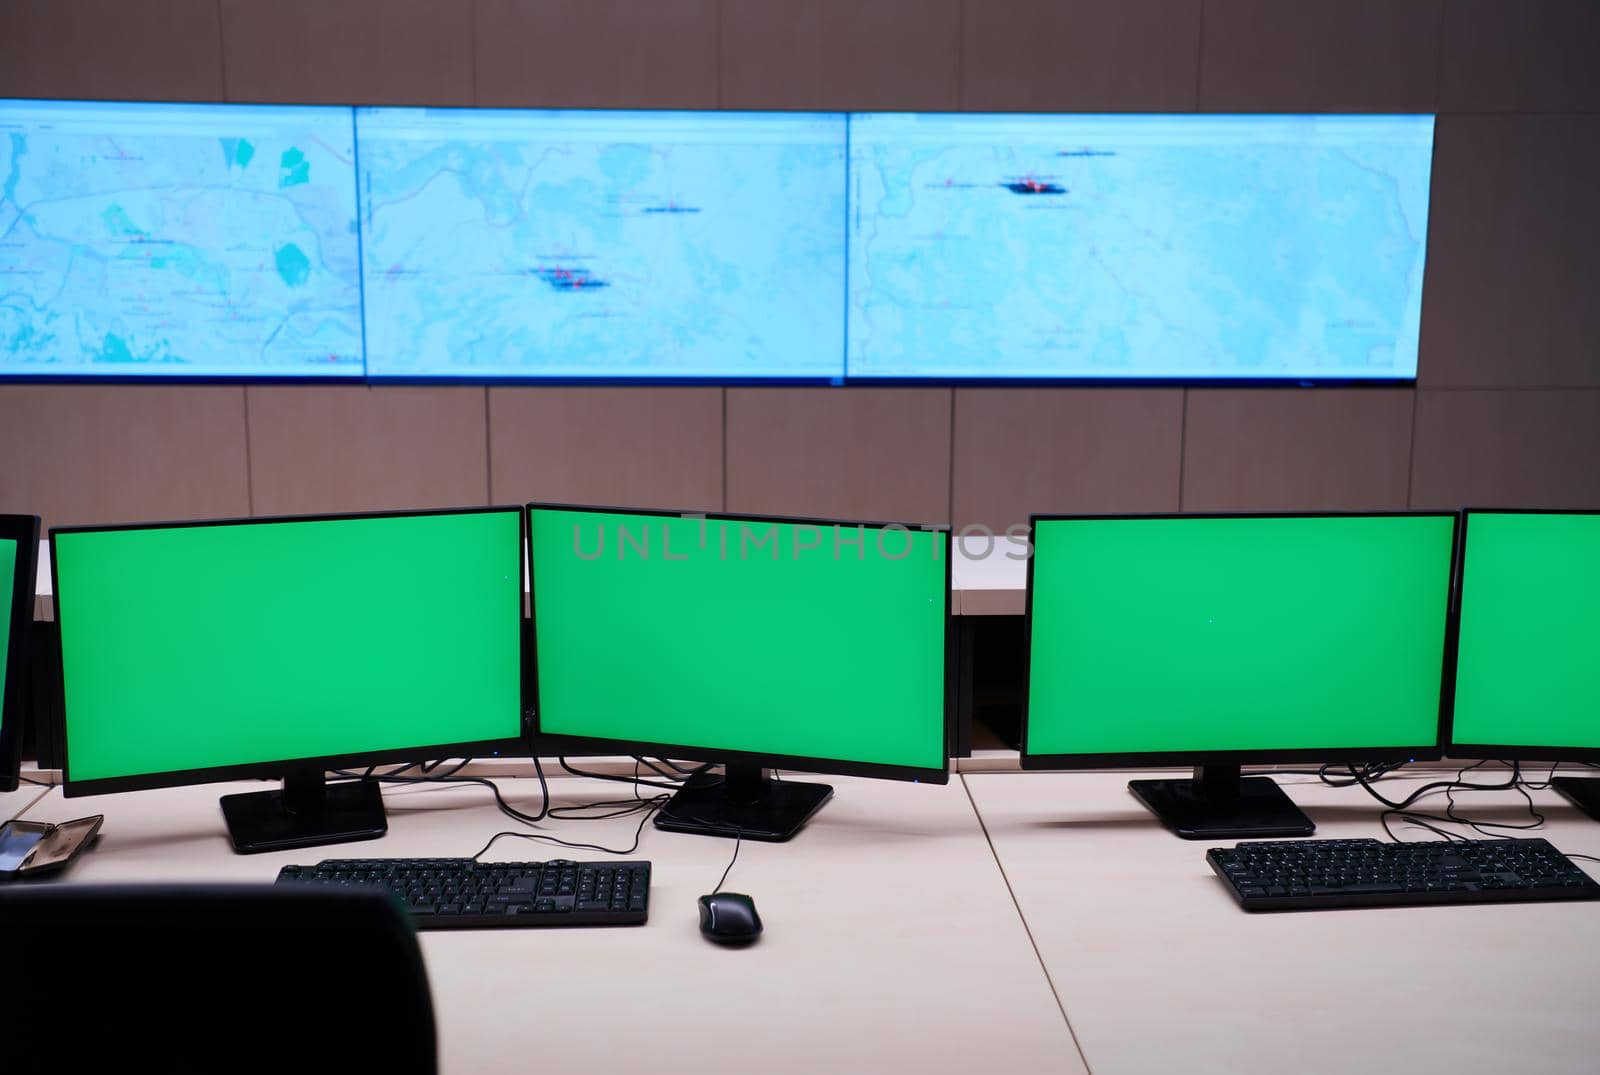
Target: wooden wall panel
[[155, 50], [1514, 253], [889, 55], [1296, 449], [348, 51], [1520, 56], [1320, 56], [1080, 55], [596, 53], [878, 454], [348, 448], [1510, 449], [1023, 450], [618, 447], [770, 54], [108, 454]]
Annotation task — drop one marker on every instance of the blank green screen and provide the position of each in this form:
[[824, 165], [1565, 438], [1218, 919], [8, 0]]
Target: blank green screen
[[242, 644], [1528, 670], [1196, 634], [807, 641], [8, 568]]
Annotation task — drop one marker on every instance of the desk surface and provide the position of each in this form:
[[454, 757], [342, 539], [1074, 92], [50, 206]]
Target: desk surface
[[894, 940], [1159, 970], [891, 940], [15, 803]]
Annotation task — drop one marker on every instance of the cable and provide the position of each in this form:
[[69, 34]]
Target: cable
[[690, 771], [1419, 819], [650, 806], [562, 761], [1426, 789], [638, 834], [1548, 780], [738, 839], [504, 807]]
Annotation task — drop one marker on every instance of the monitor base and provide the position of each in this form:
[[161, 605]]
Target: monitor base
[[1219, 804], [742, 801], [305, 813], [1582, 791]]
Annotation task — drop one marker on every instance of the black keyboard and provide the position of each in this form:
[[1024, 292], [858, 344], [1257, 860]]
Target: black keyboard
[[1292, 875], [465, 894]]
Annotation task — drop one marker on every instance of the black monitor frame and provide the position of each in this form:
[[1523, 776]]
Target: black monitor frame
[[299, 772], [24, 530], [1495, 752], [687, 752], [1221, 801]]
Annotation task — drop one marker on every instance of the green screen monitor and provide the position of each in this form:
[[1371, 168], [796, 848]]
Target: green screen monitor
[[19, 548], [1528, 657], [1220, 640], [754, 642], [197, 652]]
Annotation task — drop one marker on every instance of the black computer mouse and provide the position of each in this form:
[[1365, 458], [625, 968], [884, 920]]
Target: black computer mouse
[[729, 918]]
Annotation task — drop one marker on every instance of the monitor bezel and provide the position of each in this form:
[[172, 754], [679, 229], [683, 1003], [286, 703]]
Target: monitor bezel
[[1139, 759], [24, 531], [561, 742], [279, 767], [1490, 752]]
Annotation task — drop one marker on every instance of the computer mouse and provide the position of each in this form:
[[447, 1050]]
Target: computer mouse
[[729, 918]]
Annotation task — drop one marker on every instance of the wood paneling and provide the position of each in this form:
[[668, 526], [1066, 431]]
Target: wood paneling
[[348, 448], [1520, 56], [597, 53], [1514, 253], [155, 50], [1080, 55], [1320, 55], [1019, 451], [348, 51], [878, 454], [106, 453], [890, 55], [1296, 449], [1511, 449], [616, 447], [771, 54]]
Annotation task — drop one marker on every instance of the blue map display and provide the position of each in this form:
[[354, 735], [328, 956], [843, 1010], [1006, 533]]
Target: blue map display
[[602, 244], [178, 240], [1124, 247], [252, 241]]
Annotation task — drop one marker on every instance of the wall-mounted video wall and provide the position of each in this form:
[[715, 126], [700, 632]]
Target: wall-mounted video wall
[[249, 241]]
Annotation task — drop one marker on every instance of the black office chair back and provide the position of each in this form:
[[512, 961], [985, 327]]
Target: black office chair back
[[214, 978]]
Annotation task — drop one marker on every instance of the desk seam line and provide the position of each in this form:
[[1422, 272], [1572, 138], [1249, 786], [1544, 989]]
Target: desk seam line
[[1060, 1006], [30, 804]]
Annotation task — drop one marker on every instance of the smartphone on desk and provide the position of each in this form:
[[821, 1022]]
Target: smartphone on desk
[[32, 848]]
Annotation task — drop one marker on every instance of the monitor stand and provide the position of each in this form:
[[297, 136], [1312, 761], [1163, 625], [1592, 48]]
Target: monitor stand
[[307, 812], [1217, 803], [1584, 791], [742, 800]]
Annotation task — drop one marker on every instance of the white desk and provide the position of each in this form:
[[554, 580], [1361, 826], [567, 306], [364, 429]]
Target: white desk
[[14, 803], [1159, 970], [993, 585], [891, 941]]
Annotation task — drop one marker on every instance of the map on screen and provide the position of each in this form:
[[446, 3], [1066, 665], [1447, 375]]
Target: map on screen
[[602, 244], [178, 240], [1125, 247]]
